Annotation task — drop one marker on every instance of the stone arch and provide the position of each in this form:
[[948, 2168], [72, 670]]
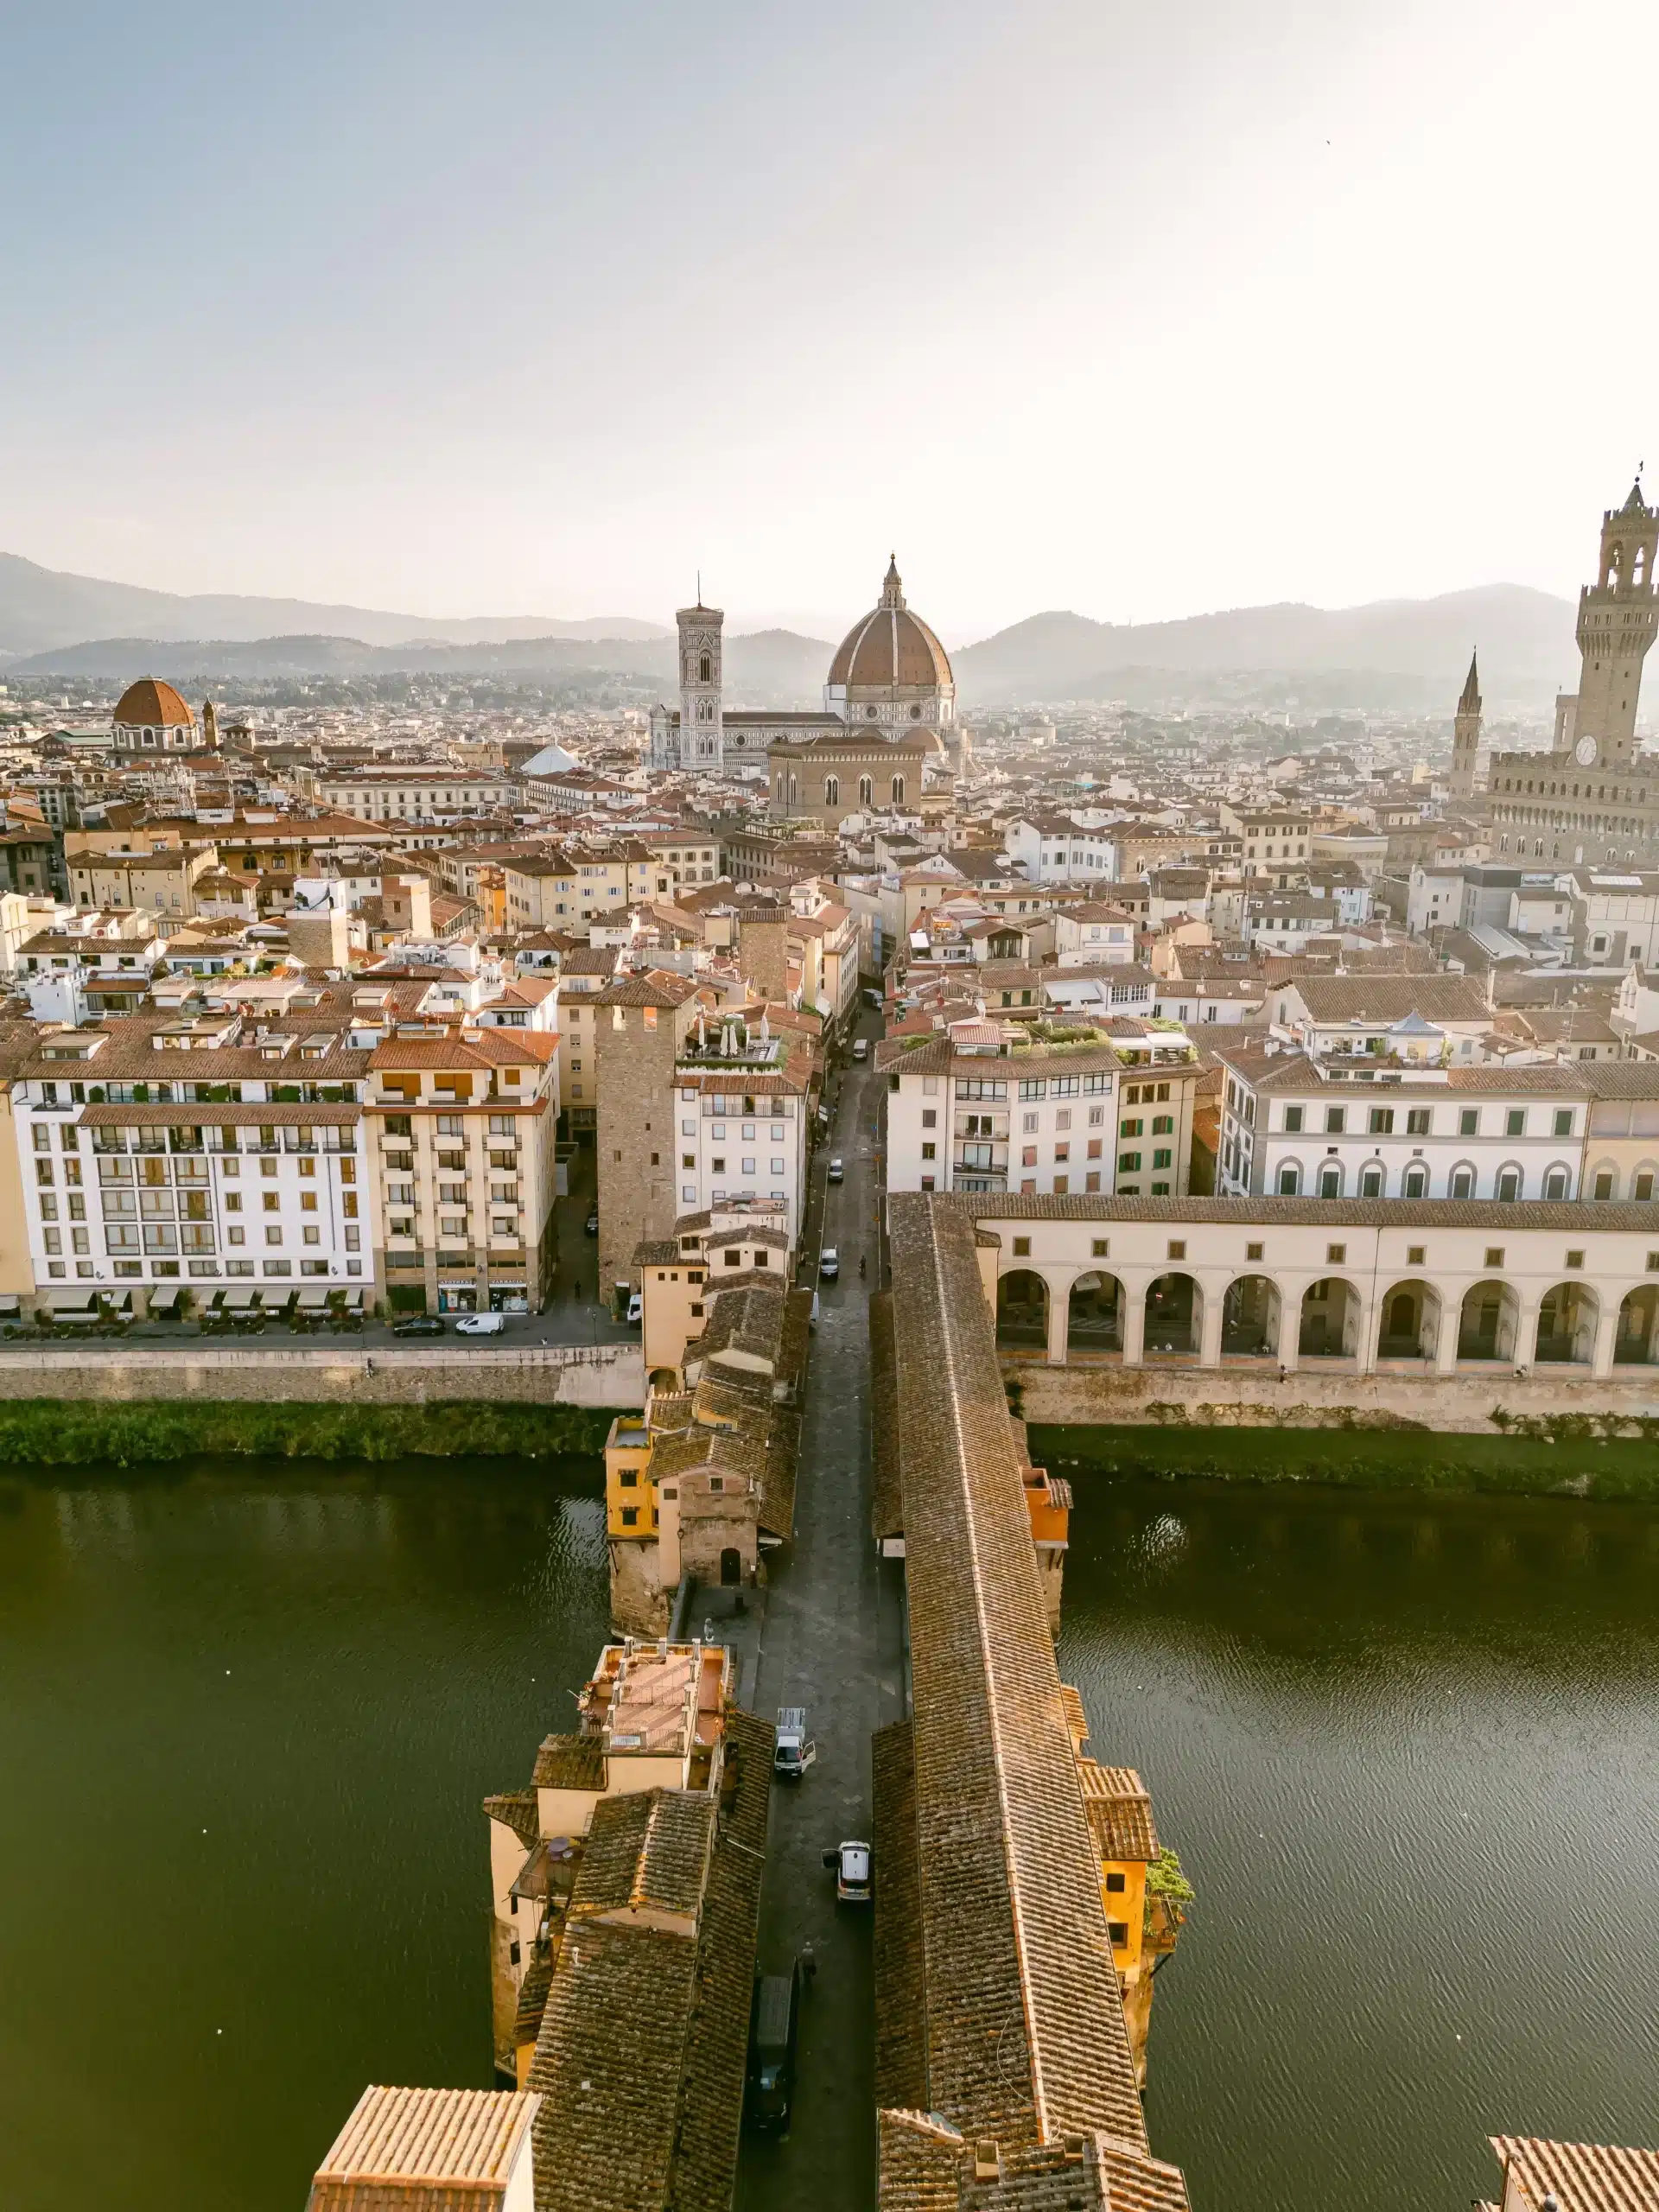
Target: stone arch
[[832, 791], [1558, 1181], [1567, 1315], [665, 1379], [1251, 1308], [1636, 1340], [1408, 1323], [1022, 1311], [866, 791], [1329, 1182], [1174, 1317], [1095, 1310], [1290, 1178], [1602, 1181], [1489, 1321], [1463, 1180], [1330, 1323], [1373, 1180], [897, 790], [1509, 1185], [1414, 1182], [1644, 1181]]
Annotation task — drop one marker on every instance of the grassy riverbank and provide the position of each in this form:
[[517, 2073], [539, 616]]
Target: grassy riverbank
[[53, 1433], [1570, 1466]]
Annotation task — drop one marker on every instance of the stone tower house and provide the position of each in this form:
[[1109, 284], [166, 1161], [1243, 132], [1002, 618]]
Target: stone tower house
[[640, 1026], [703, 737], [1465, 736], [1618, 615]]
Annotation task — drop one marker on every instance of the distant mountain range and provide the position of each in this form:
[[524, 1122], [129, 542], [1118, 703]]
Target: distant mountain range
[[42, 608], [76, 626]]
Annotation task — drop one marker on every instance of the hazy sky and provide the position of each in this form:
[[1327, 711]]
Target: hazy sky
[[537, 308]]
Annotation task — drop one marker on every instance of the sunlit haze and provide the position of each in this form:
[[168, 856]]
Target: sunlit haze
[[544, 310]]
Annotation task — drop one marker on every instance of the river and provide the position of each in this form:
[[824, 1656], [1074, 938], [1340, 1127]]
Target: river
[[1405, 1747], [1408, 1748]]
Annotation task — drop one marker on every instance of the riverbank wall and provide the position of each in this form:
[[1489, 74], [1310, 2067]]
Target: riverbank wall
[[1573, 1463], [609, 1377], [1501, 1401]]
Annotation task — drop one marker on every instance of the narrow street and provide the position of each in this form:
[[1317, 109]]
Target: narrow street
[[833, 1643]]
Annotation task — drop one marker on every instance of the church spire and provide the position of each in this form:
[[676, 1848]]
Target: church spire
[[893, 591], [1470, 703]]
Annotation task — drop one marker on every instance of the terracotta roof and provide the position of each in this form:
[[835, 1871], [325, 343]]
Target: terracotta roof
[[1025, 2032], [886, 1497], [431, 2148], [1391, 998], [1581, 2177], [900, 2033], [1119, 1809], [658, 986], [649, 1851], [570, 1762], [517, 1809], [150, 703]]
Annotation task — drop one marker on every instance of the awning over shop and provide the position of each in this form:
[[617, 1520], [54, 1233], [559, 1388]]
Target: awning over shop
[[239, 1299], [164, 1297], [313, 1301], [72, 1301], [354, 1301]]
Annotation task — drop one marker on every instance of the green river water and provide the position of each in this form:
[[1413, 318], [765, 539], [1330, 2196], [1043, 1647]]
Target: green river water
[[1405, 1745]]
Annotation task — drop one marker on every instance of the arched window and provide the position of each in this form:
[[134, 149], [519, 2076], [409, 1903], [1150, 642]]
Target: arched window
[[1290, 1179], [706, 669], [1603, 1185], [1555, 1183], [1331, 1180], [832, 791], [1462, 1185], [1416, 1183], [1508, 1185], [1371, 1181], [866, 791], [897, 790]]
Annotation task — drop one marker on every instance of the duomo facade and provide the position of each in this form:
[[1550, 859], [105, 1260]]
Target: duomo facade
[[889, 716]]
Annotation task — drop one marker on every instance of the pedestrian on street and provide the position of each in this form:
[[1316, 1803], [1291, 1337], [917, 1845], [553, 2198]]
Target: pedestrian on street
[[809, 1961]]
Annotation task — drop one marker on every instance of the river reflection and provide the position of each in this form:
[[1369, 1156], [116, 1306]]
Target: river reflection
[[245, 1722], [1405, 1747]]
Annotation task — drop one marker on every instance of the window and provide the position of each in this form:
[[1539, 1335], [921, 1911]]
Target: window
[[1336, 1120], [1575, 1259], [1603, 1185], [1335, 1254], [1416, 1181], [1129, 1163], [1102, 1249], [1177, 1247], [897, 790], [866, 791], [1331, 1180], [1469, 1122], [1462, 1185], [1370, 1182], [1508, 1185], [1290, 1179], [1417, 1121], [1382, 1120], [1022, 1248], [1119, 1932], [1564, 1121], [1643, 1190], [1514, 1121], [1114, 1883], [1130, 1129]]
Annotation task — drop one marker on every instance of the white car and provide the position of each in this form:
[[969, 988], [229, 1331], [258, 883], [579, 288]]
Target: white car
[[852, 1864], [480, 1324], [636, 1309], [829, 1264]]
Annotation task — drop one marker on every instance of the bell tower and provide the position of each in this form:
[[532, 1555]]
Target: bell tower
[[703, 737], [1617, 616], [1465, 736]]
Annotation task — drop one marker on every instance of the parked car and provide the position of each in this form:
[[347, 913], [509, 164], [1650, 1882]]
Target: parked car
[[837, 1171], [636, 1309], [420, 1324], [480, 1324], [829, 1264], [592, 1223], [774, 2028], [851, 1862], [860, 1048]]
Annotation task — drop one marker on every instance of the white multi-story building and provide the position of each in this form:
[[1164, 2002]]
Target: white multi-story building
[[1292, 1126], [409, 794], [741, 1129], [1052, 848], [194, 1154], [1093, 934], [965, 1115]]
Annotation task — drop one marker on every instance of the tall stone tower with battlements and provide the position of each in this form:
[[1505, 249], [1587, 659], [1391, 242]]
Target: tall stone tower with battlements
[[702, 736], [1617, 616], [1465, 736]]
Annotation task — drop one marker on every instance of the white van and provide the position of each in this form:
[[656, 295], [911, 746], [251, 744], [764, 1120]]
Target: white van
[[860, 1048]]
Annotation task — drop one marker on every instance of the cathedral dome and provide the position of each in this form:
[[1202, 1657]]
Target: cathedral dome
[[890, 651], [150, 704]]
